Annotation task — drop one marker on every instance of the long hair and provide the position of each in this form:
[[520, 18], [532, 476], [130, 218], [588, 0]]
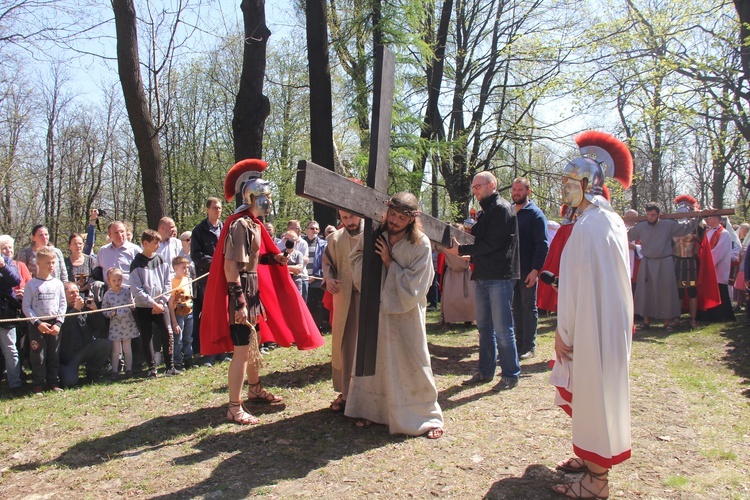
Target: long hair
[[407, 203]]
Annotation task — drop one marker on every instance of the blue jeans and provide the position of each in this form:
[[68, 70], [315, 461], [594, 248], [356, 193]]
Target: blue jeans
[[495, 324], [12, 364], [183, 343], [525, 317]]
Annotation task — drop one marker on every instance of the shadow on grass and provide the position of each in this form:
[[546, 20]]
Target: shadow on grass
[[249, 458], [452, 360], [536, 482], [737, 357], [447, 403], [299, 378], [302, 377], [286, 450], [654, 335]]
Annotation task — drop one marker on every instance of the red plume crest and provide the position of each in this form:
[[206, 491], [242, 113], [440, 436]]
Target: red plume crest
[[239, 168], [622, 159], [686, 198]]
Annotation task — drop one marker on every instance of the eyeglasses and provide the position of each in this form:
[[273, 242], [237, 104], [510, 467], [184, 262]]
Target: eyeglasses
[[314, 228], [477, 186]]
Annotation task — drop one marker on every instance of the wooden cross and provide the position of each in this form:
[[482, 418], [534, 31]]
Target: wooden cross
[[324, 186], [684, 215]]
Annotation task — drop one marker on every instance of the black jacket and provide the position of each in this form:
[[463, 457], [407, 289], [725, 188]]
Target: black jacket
[[495, 249], [78, 331], [202, 246]]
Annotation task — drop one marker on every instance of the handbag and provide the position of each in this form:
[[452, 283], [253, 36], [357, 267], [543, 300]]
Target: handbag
[[10, 308]]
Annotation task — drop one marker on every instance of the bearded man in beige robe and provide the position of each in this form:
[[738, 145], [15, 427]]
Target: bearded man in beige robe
[[337, 279], [402, 393]]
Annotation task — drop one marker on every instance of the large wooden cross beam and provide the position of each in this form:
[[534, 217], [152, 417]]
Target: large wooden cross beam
[[324, 186], [684, 215]]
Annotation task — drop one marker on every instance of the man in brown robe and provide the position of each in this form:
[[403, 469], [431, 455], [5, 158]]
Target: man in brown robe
[[338, 280]]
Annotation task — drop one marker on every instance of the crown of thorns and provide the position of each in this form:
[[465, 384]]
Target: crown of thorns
[[403, 208]]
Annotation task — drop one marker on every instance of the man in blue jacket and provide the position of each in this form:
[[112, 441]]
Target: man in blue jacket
[[495, 257], [533, 246], [316, 245]]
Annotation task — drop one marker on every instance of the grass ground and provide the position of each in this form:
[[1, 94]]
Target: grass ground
[[167, 438]]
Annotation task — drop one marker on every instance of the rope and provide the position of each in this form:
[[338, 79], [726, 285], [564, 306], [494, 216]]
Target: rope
[[106, 309]]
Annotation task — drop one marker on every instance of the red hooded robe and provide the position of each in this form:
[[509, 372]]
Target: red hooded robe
[[287, 317]]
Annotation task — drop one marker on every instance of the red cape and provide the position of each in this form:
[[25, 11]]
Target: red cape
[[706, 284], [546, 296], [288, 319], [440, 270]]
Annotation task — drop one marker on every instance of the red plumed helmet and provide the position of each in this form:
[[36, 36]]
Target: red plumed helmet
[[241, 172], [686, 203], [613, 155]]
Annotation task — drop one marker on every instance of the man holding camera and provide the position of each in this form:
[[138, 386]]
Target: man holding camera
[[83, 339]]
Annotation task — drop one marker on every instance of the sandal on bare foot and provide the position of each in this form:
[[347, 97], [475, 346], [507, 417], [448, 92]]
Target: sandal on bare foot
[[363, 422], [339, 404], [569, 490], [257, 394], [573, 464], [693, 324], [238, 414], [434, 433]]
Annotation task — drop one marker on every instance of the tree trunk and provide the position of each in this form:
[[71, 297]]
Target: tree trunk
[[144, 132], [434, 75], [251, 107], [321, 106]]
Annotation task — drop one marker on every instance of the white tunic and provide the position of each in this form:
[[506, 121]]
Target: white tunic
[[595, 317], [402, 393]]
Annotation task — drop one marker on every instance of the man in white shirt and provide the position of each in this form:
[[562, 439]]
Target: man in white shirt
[[118, 253], [721, 251], [170, 246]]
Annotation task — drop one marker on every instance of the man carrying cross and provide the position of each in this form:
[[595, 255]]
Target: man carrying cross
[[402, 393], [656, 290]]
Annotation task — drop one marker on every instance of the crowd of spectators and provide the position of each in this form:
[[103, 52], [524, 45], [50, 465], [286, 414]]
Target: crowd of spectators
[[117, 344], [82, 343]]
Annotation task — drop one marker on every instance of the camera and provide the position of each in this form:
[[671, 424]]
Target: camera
[[101, 213]]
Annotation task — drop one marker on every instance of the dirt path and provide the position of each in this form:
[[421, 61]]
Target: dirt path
[[167, 438]]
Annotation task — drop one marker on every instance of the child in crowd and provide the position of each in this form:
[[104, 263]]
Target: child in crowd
[[122, 327], [44, 296], [150, 286], [296, 262], [181, 310]]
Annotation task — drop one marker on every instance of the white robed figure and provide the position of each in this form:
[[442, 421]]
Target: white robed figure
[[402, 393], [595, 319]]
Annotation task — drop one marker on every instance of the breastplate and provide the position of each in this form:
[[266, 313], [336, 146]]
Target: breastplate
[[684, 246]]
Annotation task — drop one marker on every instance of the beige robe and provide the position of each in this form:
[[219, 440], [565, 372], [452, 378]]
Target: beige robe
[[345, 307], [402, 393], [459, 292]]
